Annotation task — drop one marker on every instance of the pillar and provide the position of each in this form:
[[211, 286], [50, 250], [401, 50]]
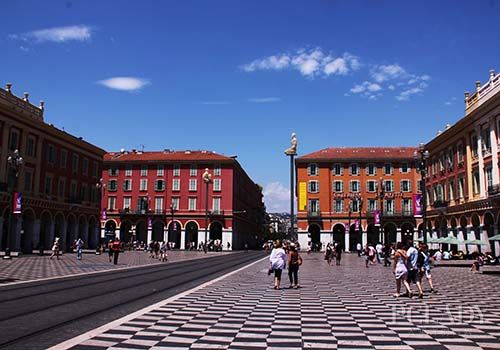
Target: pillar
[[364, 238], [303, 239], [50, 236], [483, 236], [347, 241], [183, 239], [36, 233], [398, 235], [165, 234], [117, 233], [62, 234], [482, 185], [150, 235]]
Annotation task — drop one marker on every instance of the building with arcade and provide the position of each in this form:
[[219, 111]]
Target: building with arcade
[[164, 196]]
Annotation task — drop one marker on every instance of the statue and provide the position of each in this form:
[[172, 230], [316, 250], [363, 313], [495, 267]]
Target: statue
[[293, 148]]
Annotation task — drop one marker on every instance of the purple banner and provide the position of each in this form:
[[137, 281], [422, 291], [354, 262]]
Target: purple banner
[[104, 215], [17, 205], [417, 205], [376, 217], [356, 225], [150, 224]]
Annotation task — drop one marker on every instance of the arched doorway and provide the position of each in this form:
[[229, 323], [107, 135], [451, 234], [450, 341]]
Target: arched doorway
[[390, 232], [215, 231], [192, 233], [27, 231], [355, 237], [488, 223], [158, 228], [407, 231], [315, 236], [372, 235], [454, 232], [109, 230], [126, 232], [174, 234], [462, 234], [71, 233], [476, 230], [338, 234], [83, 230], [141, 232], [45, 231]]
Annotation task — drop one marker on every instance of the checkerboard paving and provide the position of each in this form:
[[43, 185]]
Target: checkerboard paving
[[338, 307], [33, 267]]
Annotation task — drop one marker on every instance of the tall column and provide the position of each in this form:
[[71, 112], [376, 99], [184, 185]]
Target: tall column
[[468, 158], [165, 234], [482, 185], [16, 235], [150, 234], [398, 235], [347, 241], [364, 238], [103, 231], [227, 236], [117, 233], [183, 240], [494, 153]]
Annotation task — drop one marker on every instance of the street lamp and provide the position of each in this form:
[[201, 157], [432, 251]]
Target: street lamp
[[421, 156], [15, 162], [292, 152], [207, 178]]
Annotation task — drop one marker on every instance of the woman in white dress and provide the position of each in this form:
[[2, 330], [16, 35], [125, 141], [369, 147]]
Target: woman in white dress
[[400, 270], [277, 260]]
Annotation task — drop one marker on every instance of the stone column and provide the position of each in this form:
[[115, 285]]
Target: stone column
[[36, 233], [103, 232], [364, 238], [50, 236], [165, 234], [303, 240], [494, 152], [398, 235], [183, 240], [347, 241], [150, 235], [117, 233], [461, 236], [482, 185], [63, 235]]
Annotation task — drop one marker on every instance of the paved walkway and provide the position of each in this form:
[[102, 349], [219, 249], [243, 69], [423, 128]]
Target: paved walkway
[[346, 307], [33, 267]]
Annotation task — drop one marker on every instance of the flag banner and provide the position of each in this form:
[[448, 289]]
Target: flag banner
[[302, 195], [150, 224], [356, 225], [104, 215], [417, 205], [18, 198], [376, 216]]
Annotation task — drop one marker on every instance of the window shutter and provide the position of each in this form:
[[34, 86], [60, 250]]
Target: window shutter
[[317, 186], [309, 186], [309, 170]]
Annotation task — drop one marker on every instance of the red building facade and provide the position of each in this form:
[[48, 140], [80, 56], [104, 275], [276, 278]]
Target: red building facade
[[162, 196], [57, 180]]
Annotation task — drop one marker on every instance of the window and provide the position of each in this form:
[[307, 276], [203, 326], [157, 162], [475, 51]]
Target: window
[[95, 169], [112, 203], [48, 185], [388, 169], [159, 185], [439, 195], [126, 203], [355, 207], [177, 170], [354, 186], [312, 170], [144, 170], [372, 205], [407, 207], [127, 185], [449, 159], [175, 203], [85, 166], [337, 169], [84, 192], [61, 188], [64, 158], [489, 177], [419, 186], [193, 170], [160, 170], [216, 204], [388, 186], [451, 190], [371, 186], [143, 185], [193, 184], [28, 180], [72, 189], [474, 145], [128, 170], [354, 169], [217, 185], [192, 203], [404, 168], [51, 154], [339, 206], [405, 186], [74, 164], [475, 182], [371, 169], [143, 204], [389, 206], [313, 186], [176, 185], [485, 139], [461, 185], [159, 204], [217, 170], [30, 146], [338, 186], [460, 153], [14, 140], [112, 185], [313, 206]]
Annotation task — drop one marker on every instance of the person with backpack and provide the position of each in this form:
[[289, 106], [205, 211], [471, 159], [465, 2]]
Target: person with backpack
[[116, 246], [294, 262]]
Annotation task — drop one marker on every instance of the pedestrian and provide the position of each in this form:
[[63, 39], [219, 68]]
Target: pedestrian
[[110, 250], [277, 261], [359, 249], [387, 254], [411, 262], [116, 246], [425, 266], [338, 253], [163, 252], [329, 254], [55, 249], [79, 248], [156, 248], [228, 246], [294, 261], [400, 270], [379, 249]]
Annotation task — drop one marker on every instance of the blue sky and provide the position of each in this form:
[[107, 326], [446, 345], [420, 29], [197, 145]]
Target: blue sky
[[238, 77]]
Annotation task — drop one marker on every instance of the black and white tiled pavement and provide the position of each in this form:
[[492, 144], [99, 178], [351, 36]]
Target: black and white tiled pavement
[[346, 307]]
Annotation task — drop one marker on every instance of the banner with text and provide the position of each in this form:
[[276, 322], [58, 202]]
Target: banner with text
[[302, 195], [376, 217], [356, 225], [417, 205], [18, 198]]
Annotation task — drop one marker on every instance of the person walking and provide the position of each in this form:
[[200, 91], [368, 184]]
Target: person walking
[[56, 247], [116, 246], [110, 250], [277, 261], [79, 248], [379, 248], [400, 270], [425, 266], [163, 252], [338, 253], [329, 254], [294, 261], [387, 254], [411, 262], [359, 249]]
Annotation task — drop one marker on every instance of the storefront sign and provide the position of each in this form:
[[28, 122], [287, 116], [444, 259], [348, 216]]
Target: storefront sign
[[417, 205], [302, 195], [18, 198]]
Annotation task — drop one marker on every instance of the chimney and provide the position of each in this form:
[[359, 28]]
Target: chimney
[[492, 74], [478, 85], [42, 105], [26, 97], [8, 87]]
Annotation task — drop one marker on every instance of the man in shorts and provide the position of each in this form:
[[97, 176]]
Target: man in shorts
[[425, 266], [412, 265]]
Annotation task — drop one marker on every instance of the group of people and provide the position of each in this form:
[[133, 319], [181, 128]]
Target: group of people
[[56, 248], [333, 251], [282, 257], [158, 250]]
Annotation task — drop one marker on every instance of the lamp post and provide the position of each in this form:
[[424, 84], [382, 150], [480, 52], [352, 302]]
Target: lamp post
[[421, 156], [207, 178], [15, 162], [292, 152]]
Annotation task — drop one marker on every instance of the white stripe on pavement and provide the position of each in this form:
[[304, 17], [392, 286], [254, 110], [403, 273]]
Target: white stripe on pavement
[[92, 333]]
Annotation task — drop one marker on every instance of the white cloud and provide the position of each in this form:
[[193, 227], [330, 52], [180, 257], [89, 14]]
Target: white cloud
[[276, 197], [391, 87], [264, 99], [57, 34], [367, 89], [383, 73], [124, 83], [406, 94], [309, 63]]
